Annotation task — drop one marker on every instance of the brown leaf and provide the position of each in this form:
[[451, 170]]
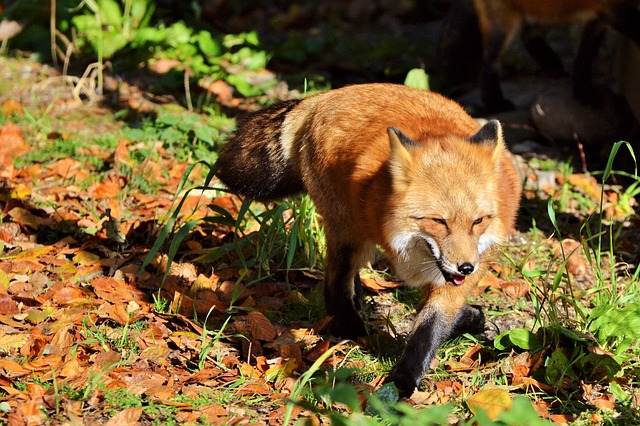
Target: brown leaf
[[128, 416], [8, 306], [531, 383], [562, 418], [260, 326], [378, 285], [114, 291], [26, 218], [45, 363], [121, 156], [317, 351], [222, 90], [12, 143], [64, 338], [119, 313], [576, 261], [11, 369], [69, 295], [65, 168], [105, 189], [515, 289], [163, 66]]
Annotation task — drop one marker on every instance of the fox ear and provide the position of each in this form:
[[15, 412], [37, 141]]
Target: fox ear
[[400, 157], [490, 135]]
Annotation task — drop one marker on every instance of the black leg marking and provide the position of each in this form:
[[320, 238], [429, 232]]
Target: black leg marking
[[357, 291], [340, 294], [420, 350], [469, 320]]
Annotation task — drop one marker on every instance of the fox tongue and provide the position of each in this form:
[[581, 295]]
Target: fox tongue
[[457, 279]]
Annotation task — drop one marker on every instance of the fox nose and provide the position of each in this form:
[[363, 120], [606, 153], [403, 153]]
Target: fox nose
[[466, 268]]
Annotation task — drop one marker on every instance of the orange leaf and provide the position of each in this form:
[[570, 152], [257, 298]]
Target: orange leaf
[[11, 368], [121, 156], [11, 143], [8, 306], [515, 289], [46, 363], [606, 401], [489, 281], [65, 168], [104, 190], [493, 401], [12, 107], [260, 326], [114, 291]]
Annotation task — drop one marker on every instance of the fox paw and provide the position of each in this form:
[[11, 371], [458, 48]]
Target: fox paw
[[470, 320], [405, 384]]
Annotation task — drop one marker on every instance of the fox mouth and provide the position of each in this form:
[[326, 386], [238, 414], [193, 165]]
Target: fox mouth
[[454, 279]]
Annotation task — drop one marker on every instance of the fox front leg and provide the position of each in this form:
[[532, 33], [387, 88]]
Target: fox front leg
[[431, 329]]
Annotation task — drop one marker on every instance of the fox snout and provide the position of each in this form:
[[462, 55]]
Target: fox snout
[[466, 268], [456, 275]]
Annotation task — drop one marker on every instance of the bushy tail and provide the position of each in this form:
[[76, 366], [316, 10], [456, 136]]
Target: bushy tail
[[252, 161]]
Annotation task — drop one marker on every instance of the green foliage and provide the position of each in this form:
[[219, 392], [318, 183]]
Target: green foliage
[[108, 26], [417, 78], [185, 135], [289, 237], [383, 407], [111, 28]]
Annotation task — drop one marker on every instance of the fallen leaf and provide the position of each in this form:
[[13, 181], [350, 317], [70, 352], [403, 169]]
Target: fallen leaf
[[115, 291], [8, 306], [128, 416], [11, 342], [378, 285], [576, 261], [260, 326], [11, 106], [515, 289], [12, 143], [65, 168], [493, 401], [25, 217], [11, 369]]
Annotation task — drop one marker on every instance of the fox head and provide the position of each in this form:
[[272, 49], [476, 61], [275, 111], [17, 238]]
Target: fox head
[[446, 201]]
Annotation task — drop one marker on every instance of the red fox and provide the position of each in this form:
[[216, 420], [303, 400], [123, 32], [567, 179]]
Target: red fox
[[500, 19], [390, 166]]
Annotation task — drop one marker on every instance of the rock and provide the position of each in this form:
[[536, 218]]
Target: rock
[[559, 117]]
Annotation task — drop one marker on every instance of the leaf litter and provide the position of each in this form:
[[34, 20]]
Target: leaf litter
[[80, 322]]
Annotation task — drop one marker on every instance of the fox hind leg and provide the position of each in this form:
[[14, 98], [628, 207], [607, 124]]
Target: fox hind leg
[[343, 288]]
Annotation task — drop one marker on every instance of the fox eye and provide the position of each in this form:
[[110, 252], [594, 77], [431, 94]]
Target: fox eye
[[478, 221], [440, 221]]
